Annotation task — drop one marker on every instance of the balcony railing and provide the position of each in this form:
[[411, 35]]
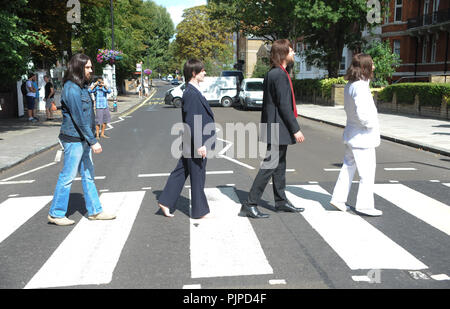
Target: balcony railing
[[430, 19]]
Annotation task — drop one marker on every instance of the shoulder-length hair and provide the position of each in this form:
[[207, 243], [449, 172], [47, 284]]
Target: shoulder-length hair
[[360, 69], [191, 67], [279, 52], [75, 70]]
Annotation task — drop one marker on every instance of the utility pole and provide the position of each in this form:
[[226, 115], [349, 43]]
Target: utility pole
[[114, 65]]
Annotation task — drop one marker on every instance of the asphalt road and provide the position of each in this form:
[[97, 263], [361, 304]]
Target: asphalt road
[[408, 247]]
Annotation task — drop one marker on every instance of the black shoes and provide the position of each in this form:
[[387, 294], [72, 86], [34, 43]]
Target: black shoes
[[252, 212], [288, 207]]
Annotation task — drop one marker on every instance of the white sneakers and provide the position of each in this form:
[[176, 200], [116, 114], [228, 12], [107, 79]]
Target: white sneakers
[[372, 212], [66, 221], [60, 221]]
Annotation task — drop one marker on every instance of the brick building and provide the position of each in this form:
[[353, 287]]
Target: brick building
[[418, 31]]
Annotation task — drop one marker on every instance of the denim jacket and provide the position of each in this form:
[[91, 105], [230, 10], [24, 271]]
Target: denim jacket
[[78, 113]]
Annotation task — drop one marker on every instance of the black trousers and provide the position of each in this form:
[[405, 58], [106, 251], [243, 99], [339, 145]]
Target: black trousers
[[196, 169], [273, 166]]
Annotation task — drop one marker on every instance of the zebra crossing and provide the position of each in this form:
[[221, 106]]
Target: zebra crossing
[[221, 246]]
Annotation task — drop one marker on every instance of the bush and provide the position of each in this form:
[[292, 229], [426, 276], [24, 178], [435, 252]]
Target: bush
[[321, 86], [430, 94]]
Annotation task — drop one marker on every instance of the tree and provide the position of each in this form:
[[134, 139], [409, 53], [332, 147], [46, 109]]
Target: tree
[[384, 60], [16, 41], [200, 36]]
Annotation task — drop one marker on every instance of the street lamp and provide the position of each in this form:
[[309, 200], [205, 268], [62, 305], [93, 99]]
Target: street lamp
[[114, 65]]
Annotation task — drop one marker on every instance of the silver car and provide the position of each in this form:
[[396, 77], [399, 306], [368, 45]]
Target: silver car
[[251, 94]]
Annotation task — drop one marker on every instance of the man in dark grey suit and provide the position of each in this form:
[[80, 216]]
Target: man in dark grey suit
[[198, 139], [279, 129]]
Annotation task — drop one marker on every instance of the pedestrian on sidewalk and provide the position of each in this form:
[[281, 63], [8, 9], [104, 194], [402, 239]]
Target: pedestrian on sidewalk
[[30, 97], [198, 140], [102, 114], [37, 95], [49, 98], [361, 136], [279, 129], [77, 138]]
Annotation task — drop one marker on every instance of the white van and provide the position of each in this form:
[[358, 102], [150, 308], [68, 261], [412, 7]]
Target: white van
[[216, 90]]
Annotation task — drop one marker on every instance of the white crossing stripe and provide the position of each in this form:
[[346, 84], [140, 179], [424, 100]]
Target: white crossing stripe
[[446, 184], [18, 182], [226, 244], [90, 252], [400, 169], [425, 208], [355, 240], [16, 211]]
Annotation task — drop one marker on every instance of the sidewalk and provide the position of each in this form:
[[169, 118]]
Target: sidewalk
[[426, 133], [21, 140]]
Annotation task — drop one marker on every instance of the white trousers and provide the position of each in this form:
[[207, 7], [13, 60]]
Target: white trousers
[[364, 160]]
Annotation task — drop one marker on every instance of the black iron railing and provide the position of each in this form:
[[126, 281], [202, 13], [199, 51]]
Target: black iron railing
[[430, 19]]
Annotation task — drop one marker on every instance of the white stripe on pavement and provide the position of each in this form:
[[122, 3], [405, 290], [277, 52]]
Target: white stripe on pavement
[[425, 208], [226, 244], [355, 240], [16, 211], [18, 182], [30, 171], [400, 169], [90, 252], [446, 184]]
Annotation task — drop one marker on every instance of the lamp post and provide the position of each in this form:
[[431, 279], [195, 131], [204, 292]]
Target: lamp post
[[114, 65]]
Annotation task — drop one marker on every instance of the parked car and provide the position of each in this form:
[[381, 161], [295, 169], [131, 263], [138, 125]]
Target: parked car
[[175, 81], [251, 94], [169, 78], [220, 90]]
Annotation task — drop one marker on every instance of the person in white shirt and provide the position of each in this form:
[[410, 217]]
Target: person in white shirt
[[30, 97], [361, 137]]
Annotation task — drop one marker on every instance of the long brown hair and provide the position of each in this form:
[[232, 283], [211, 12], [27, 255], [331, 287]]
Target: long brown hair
[[75, 70], [279, 52], [360, 69]]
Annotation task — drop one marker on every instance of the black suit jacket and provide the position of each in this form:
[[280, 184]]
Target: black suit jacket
[[199, 122], [278, 123]]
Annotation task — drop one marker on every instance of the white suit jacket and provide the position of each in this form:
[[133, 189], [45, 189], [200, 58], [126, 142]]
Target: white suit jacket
[[362, 129]]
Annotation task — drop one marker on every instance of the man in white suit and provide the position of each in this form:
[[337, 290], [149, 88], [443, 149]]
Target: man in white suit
[[361, 137]]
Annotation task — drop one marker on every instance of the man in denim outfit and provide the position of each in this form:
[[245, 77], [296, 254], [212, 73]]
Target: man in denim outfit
[[77, 137]]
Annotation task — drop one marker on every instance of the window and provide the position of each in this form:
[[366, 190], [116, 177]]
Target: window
[[426, 9], [433, 49], [398, 10], [254, 86], [343, 64], [397, 47], [387, 12], [424, 50], [299, 47]]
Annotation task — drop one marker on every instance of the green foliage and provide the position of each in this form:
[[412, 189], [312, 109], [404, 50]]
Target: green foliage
[[322, 87], [384, 60], [261, 68], [430, 94]]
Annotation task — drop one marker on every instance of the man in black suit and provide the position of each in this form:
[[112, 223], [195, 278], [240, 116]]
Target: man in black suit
[[198, 140], [279, 128]]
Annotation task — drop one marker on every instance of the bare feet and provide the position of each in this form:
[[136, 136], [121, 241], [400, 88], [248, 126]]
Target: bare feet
[[165, 211]]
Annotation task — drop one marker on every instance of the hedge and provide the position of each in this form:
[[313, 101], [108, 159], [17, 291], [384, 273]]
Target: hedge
[[321, 86], [430, 94]]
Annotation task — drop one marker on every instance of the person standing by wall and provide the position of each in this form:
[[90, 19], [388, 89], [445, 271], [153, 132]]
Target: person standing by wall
[[361, 137], [30, 97], [102, 114], [49, 97], [77, 138]]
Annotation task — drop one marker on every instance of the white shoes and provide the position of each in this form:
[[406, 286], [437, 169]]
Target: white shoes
[[372, 212], [339, 205], [102, 216], [60, 221]]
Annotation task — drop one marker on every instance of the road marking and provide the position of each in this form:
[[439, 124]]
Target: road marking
[[16, 211], [96, 177], [434, 180], [16, 182], [361, 279], [226, 244], [393, 181], [222, 155], [140, 105], [13, 195], [331, 169], [290, 170], [313, 182], [168, 174], [440, 277], [400, 169], [446, 184], [277, 281], [191, 286], [58, 155], [103, 190], [30, 171], [90, 252], [146, 188], [418, 275], [355, 240], [425, 208]]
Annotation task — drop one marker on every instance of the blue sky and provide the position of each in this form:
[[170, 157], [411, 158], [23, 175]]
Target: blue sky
[[176, 7]]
